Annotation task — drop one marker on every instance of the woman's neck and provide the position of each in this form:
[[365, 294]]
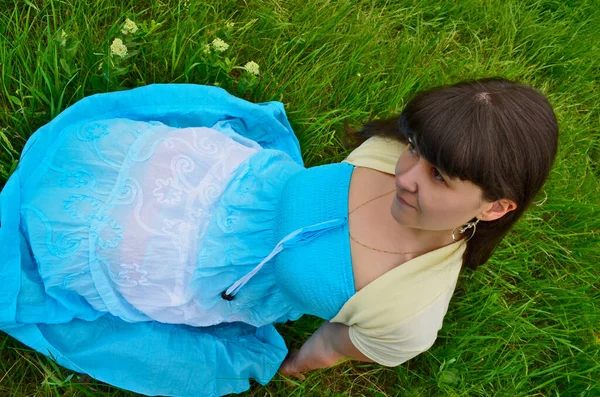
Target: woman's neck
[[414, 239]]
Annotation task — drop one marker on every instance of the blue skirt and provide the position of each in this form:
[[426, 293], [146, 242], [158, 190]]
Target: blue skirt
[[136, 214]]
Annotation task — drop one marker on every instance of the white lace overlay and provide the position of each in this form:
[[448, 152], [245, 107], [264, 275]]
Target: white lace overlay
[[163, 200]]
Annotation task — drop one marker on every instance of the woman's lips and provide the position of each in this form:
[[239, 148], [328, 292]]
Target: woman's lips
[[402, 201]]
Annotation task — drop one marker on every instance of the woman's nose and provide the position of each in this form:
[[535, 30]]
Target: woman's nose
[[407, 177]]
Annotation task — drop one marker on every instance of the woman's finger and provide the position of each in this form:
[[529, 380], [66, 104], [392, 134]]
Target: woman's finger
[[289, 367]]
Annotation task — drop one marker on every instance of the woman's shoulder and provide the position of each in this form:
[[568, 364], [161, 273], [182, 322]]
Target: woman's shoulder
[[377, 153], [398, 315], [405, 290]]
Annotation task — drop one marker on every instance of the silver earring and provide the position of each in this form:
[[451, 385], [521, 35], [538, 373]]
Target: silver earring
[[463, 229]]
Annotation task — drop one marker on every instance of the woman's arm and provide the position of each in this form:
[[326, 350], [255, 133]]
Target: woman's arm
[[329, 344]]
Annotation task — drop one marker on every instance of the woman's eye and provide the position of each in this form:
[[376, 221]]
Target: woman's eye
[[437, 175]]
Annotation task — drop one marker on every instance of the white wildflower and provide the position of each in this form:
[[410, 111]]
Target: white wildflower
[[129, 27], [63, 36], [358, 74], [252, 67], [206, 48], [229, 25], [118, 48], [219, 45]]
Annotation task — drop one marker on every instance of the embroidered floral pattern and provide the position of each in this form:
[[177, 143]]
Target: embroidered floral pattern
[[73, 180], [175, 227], [166, 192], [82, 207], [109, 234], [130, 275], [93, 131]]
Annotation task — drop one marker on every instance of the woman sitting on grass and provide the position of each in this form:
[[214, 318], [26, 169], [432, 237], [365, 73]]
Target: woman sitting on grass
[[162, 231]]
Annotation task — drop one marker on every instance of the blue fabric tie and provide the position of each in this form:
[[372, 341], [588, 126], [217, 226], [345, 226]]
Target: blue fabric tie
[[296, 238]]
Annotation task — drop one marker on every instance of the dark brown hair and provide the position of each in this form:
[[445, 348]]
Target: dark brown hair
[[498, 134]]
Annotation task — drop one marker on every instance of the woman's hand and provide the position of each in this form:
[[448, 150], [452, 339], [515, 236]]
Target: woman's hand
[[298, 361], [328, 345]]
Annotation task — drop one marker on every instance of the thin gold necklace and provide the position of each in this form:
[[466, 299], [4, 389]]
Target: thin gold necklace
[[376, 249]]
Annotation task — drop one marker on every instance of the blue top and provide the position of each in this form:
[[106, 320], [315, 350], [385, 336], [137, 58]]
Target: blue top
[[318, 276], [138, 212]]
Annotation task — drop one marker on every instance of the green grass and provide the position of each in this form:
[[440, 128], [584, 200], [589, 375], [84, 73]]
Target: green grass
[[525, 324]]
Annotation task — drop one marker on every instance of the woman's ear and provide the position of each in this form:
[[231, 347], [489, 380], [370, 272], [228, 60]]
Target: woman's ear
[[497, 210]]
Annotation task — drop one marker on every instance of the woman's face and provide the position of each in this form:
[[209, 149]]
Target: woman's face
[[429, 200]]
